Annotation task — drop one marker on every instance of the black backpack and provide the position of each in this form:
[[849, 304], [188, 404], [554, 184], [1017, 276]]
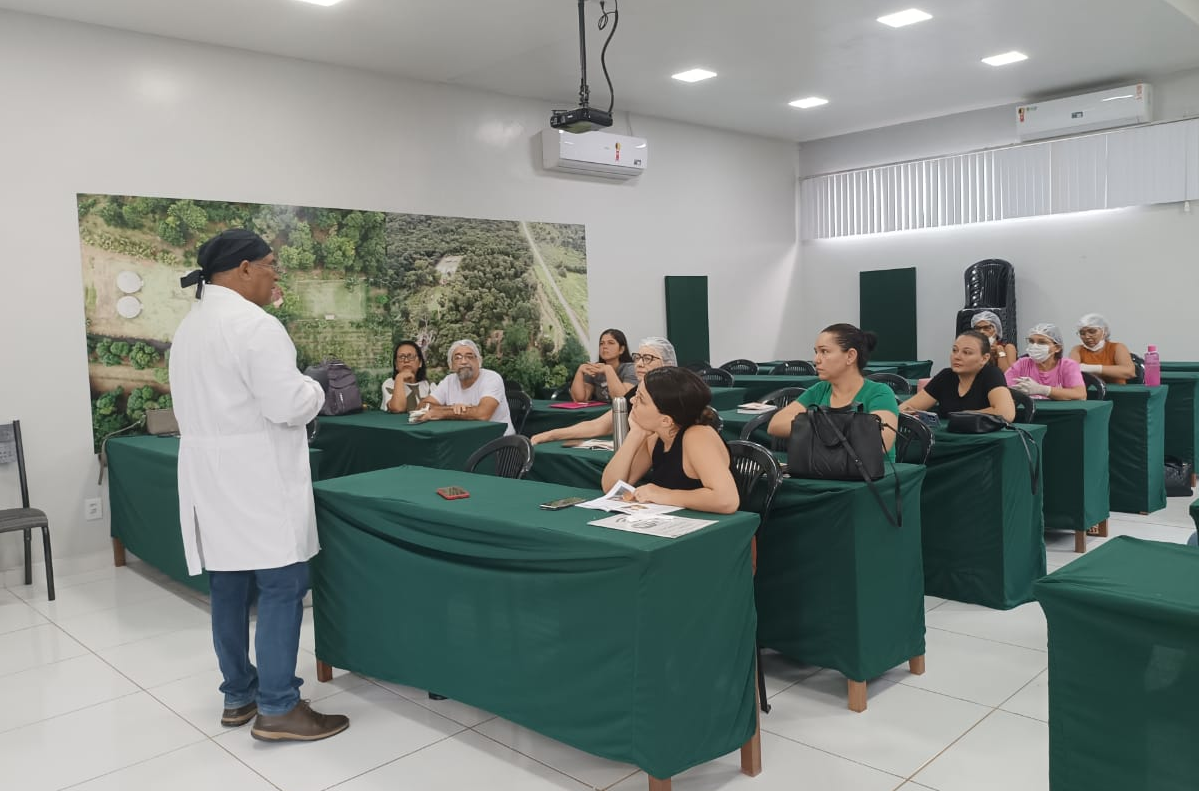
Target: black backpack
[[342, 396]]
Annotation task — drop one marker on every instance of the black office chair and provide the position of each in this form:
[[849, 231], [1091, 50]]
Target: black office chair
[[757, 475], [777, 444], [794, 368], [1096, 389], [1138, 363], [513, 456], [740, 367], [512, 387], [896, 382], [25, 518], [913, 440], [561, 393], [717, 420], [716, 377], [519, 407], [1026, 407]]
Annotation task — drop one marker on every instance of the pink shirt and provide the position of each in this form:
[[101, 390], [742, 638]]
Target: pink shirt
[[1065, 374]]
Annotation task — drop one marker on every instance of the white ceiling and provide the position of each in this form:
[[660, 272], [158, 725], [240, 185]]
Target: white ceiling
[[766, 52]]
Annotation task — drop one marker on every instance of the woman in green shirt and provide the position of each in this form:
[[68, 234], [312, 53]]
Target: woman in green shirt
[[840, 356]]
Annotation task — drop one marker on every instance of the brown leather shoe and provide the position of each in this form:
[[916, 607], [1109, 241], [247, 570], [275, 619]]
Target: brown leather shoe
[[301, 724], [231, 718]]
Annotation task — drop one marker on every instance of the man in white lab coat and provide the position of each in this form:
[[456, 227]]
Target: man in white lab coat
[[245, 490]]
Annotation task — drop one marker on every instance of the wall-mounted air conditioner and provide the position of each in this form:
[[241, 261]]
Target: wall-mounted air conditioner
[[597, 154], [1132, 104]]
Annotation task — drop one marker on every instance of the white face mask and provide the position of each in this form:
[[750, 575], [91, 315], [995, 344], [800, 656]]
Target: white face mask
[[992, 339], [1096, 347], [1039, 352]]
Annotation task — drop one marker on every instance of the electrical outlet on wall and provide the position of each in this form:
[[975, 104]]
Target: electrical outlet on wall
[[93, 508]]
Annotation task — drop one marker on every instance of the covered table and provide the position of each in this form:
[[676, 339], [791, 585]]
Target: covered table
[[627, 646], [545, 416], [143, 499], [1182, 414], [1075, 465], [1124, 668], [983, 535], [758, 385], [1137, 443], [1180, 365], [374, 440], [837, 585]]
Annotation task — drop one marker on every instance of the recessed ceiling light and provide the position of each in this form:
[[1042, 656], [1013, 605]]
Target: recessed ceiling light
[[321, 2], [1005, 58], [908, 17], [693, 75], [811, 101]]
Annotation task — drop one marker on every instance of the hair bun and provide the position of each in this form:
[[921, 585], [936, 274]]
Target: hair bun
[[869, 340]]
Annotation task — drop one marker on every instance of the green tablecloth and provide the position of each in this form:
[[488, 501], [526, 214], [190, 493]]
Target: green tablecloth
[[375, 440], [837, 586], [734, 421], [631, 647], [545, 417], [1182, 414], [1195, 513], [143, 500], [1180, 365], [1124, 668], [1075, 465], [983, 534], [1137, 439], [758, 385], [908, 369]]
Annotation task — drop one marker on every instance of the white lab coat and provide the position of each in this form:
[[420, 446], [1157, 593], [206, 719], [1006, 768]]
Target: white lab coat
[[245, 489]]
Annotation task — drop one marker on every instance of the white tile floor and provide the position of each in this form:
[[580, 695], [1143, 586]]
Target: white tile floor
[[113, 686]]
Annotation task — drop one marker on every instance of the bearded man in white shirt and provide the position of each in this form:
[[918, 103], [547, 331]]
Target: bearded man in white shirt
[[245, 488], [470, 391]]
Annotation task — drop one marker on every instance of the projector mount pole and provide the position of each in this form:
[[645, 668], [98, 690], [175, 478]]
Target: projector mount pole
[[584, 91]]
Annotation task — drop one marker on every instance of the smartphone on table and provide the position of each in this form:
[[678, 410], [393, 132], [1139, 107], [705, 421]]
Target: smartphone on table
[[565, 502]]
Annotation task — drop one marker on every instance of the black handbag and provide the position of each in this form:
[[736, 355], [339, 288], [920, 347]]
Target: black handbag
[[843, 444], [984, 423]]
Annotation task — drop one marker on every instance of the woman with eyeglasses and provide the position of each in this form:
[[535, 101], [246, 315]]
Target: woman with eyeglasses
[[1003, 353], [672, 442], [1098, 354], [614, 374], [409, 370], [1044, 373], [653, 353]]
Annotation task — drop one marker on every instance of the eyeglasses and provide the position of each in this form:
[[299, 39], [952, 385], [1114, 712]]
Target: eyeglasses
[[406, 358], [984, 326], [648, 359], [462, 356], [1090, 331], [278, 270]]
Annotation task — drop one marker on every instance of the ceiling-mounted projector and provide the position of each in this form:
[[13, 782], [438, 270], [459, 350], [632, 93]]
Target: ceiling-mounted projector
[[585, 118]]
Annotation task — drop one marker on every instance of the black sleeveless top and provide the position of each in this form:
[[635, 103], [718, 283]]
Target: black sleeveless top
[[667, 467]]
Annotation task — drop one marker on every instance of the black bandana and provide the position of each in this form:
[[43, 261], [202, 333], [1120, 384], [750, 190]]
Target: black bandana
[[224, 251]]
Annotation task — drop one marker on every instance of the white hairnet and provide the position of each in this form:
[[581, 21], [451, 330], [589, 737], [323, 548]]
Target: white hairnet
[[1095, 320], [986, 315], [1048, 330], [665, 347], [474, 347]]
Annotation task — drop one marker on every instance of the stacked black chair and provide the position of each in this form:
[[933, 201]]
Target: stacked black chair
[[990, 285]]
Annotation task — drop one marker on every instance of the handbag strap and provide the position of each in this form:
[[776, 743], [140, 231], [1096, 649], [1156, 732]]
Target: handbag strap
[[1034, 464], [897, 520]]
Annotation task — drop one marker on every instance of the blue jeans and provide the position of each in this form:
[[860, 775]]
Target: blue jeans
[[280, 595]]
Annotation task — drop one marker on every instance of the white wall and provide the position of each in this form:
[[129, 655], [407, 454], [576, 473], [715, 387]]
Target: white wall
[[1137, 266], [90, 109]]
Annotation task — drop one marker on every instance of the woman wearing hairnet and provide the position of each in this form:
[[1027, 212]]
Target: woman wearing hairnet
[[1099, 355], [1003, 353], [1044, 373]]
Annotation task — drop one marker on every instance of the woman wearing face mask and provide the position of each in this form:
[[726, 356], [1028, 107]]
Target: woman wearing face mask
[[672, 440], [969, 384], [840, 355], [989, 324], [1099, 355], [1044, 373], [653, 353]]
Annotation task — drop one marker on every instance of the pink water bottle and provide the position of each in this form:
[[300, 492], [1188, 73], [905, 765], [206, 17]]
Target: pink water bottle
[[1153, 368]]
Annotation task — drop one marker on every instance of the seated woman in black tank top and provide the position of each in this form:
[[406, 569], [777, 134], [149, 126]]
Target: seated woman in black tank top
[[671, 438]]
